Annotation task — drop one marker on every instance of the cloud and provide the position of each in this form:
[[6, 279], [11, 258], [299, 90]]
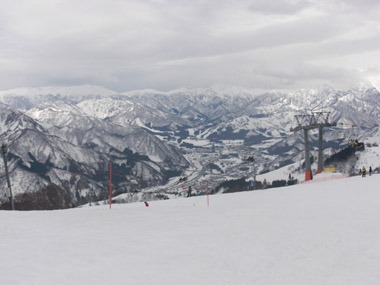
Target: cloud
[[278, 7], [167, 44]]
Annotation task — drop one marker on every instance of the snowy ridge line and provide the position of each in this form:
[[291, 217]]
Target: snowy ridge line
[[73, 173]]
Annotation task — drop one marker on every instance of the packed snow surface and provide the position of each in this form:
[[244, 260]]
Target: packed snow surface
[[313, 233]]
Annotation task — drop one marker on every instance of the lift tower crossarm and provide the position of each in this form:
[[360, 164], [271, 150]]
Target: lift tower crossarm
[[312, 121]]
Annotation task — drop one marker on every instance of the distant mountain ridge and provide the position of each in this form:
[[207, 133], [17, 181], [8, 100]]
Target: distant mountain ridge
[[69, 151], [146, 133]]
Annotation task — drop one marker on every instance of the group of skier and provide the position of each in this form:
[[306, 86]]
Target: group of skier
[[363, 171]]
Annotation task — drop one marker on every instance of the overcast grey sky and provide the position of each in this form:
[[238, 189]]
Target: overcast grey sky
[[167, 44]]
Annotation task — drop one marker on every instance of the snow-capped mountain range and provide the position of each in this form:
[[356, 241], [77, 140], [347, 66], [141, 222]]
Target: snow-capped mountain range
[[61, 147], [152, 135]]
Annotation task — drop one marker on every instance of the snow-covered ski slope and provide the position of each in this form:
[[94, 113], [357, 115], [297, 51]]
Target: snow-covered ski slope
[[315, 233]]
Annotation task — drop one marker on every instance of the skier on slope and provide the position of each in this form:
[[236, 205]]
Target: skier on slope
[[189, 192], [363, 171], [370, 171]]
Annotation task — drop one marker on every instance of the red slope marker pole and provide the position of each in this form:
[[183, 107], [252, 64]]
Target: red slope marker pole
[[110, 195]]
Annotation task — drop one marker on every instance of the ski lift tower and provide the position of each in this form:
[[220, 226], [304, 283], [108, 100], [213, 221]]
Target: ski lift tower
[[316, 120], [4, 149]]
